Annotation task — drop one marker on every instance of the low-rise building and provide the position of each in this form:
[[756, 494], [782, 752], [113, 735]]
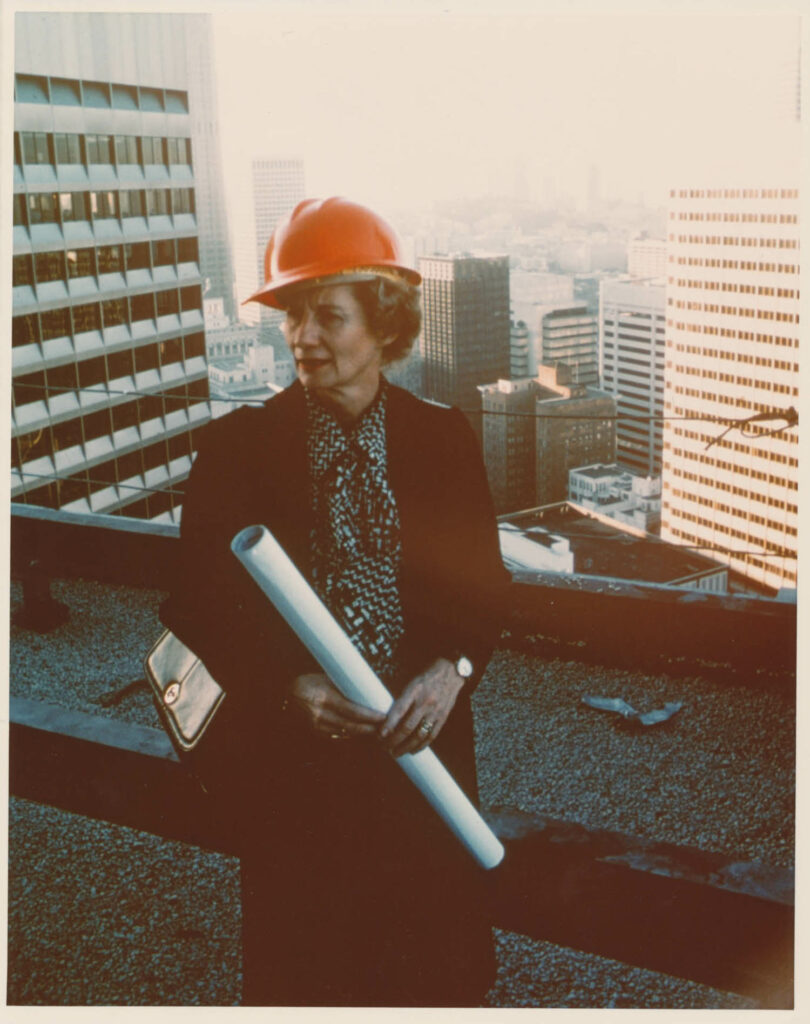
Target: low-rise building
[[618, 494]]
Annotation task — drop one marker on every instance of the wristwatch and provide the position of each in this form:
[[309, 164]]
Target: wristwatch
[[463, 665]]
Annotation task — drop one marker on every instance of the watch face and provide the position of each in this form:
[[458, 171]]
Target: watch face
[[464, 667]]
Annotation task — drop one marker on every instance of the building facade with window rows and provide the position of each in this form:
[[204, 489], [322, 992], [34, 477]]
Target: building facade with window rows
[[109, 373], [732, 351]]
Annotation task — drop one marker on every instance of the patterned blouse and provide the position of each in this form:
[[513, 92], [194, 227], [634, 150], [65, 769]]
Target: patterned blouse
[[355, 543]]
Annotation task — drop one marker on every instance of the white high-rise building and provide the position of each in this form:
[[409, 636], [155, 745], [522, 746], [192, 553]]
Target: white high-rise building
[[632, 316], [110, 380], [732, 353], [274, 189], [647, 257]]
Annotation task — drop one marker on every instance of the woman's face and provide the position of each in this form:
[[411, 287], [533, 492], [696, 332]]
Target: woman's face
[[335, 353]]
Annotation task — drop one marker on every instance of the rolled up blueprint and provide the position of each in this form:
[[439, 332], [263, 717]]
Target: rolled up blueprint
[[316, 627]]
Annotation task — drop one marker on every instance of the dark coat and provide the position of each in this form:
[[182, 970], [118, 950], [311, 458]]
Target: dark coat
[[354, 891]]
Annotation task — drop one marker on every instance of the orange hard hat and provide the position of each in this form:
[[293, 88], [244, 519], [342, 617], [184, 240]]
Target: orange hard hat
[[330, 239]]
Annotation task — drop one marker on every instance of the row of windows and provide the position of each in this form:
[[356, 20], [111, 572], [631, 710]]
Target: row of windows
[[75, 92], [747, 218], [731, 531], [733, 286], [769, 268], [770, 339], [733, 510], [733, 468], [65, 265], [98, 371], [81, 430], [60, 148], [735, 193], [711, 307], [34, 328], [768, 243], [739, 357], [63, 207], [686, 537]]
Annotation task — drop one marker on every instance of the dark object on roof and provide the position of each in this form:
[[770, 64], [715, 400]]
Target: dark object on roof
[[628, 712]]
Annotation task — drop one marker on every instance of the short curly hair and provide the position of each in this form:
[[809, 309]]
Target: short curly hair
[[391, 307]]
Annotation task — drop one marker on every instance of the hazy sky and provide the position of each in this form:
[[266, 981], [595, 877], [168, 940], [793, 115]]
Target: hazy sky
[[401, 105]]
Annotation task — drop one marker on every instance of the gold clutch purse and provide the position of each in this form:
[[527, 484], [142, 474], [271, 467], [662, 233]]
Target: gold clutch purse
[[186, 694]]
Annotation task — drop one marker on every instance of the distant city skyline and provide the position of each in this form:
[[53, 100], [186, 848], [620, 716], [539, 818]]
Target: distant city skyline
[[416, 105]]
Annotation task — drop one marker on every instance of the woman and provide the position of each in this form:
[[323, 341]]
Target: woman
[[353, 890]]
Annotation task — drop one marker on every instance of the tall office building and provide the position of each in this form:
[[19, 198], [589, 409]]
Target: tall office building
[[732, 352], [465, 329], [109, 372], [632, 319], [509, 442], [274, 188], [536, 430], [570, 335], [575, 425], [647, 257]]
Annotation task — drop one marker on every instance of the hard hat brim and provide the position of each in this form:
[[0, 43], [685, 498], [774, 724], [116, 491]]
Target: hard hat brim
[[268, 294]]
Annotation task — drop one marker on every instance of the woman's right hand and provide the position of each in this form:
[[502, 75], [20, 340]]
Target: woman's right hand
[[328, 712]]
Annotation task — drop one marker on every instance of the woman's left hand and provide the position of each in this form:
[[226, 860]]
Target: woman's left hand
[[425, 702]]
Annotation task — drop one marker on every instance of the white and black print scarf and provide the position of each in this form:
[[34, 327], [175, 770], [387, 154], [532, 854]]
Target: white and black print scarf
[[356, 546]]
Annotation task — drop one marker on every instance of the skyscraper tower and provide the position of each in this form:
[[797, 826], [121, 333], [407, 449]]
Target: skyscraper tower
[[110, 380], [465, 331], [732, 352], [276, 186], [570, 335], [632, 354]]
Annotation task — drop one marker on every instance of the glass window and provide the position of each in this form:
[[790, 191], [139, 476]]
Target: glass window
[[110, 259], [114, 312], [187, 250], [137, 256], [119, 364], [73, 206], [198, 390], [31, 89], [151, 99], [99, 149], [103, 204], [195, 345], [150, 407], [67, 434], [125, 97], [50, 266], [126, 149], [157, 201], [146, 358], [173, 151], [17, 149], [42, 208], [155, 455], [92, 372], [96, 424], [67, 149], [65, 92], [29, 387], [176, 101], [176, 398], [142, 307], [55, 323], [123, 416], [22, 271], [31, 446], [35, 148], [167, 303], [42, 497], [72, 488], [96, 94], [81, 263], [182, 200], [152, 149], [162, 253], [132, 203], [86, 318], [171, 351], [191, 298], [19, 209]]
